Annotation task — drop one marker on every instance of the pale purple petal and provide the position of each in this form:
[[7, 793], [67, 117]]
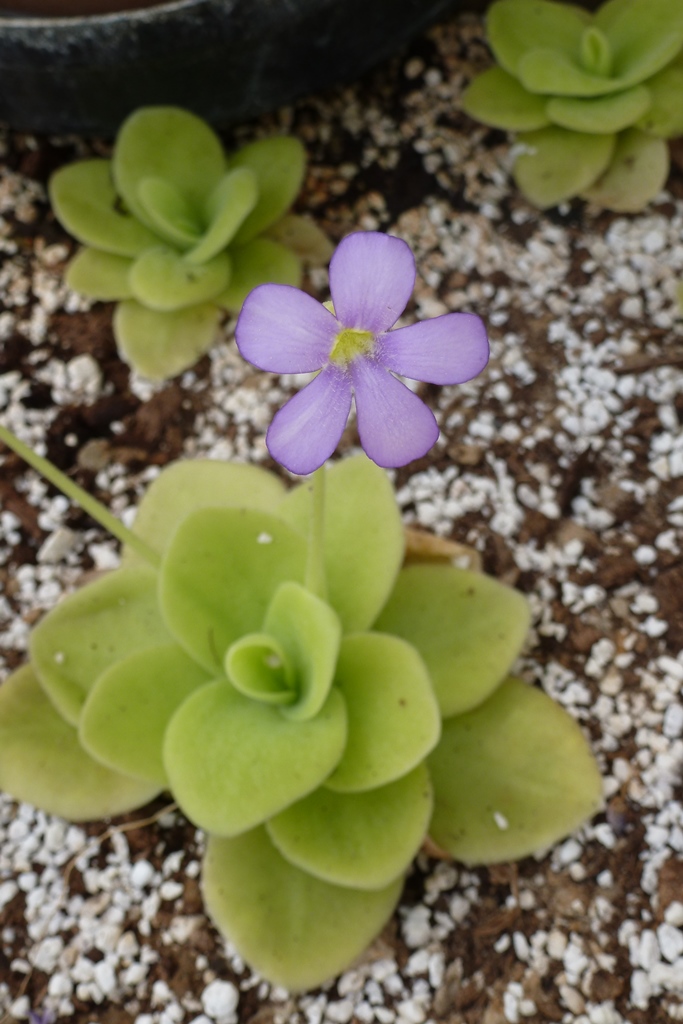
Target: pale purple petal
[[372, 276], [284, 330], [447, 350], [395, 426], [307, 429]]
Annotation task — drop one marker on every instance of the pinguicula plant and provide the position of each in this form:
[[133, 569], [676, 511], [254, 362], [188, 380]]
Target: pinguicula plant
[[175, 232], [315, 704], [592, 96]]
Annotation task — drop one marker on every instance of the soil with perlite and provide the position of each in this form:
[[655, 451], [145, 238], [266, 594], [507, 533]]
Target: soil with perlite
[[562, 464]]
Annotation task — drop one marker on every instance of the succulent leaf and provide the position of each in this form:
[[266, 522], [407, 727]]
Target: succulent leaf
[[163, 281], [496, 98], [468, 628], [100, 275], [599, 114], [511, 777], [233, 762], [92, 629], [169, 212], [295, 929], [515, 27], [665, 115], [363, 533], [278, 164], [162, 344], [257, 262], [596, 53], [558, 164], [231, 201], [393, 716], [219, 574], [362, 840], [550, 73], [42, 761], [85, 201], [124, 718], [644, 35], [303, 237], [636, 174], [258, 667]]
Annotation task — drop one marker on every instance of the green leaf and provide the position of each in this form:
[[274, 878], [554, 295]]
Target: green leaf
[[219, 574], [362, 840], [231, 201], [294, 929], [511, 777], [602, 114], [258, 667], [125, 716], [191, 484], [163, 280], [100, 275], [558, 164], [468, 628], [595, 52], [393, 715], [515, 27], [636, 174], [497, 99], [364, 540], [644, 35], [278, 164], [167, 209], [261, 261], [665, 116], [92, 629], [310, 634], [168, 143], [42, 762], [233, 762], [85, 201], [550, 73], [303, 237], [160, 345]]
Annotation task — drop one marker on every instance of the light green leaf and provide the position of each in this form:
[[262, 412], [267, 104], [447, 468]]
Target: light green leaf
[[230, 202], [258, 667], [100, 275], [363, 840], [124, 718], [644, 35], [516, 26], [558, 164], [511, 777], [364, 540], [665, 116], [468, 628], [42, 762], [294, 929], [278, 164], [85, 201], [303, 237], [168, 143], [92, 629], [602, 114], [160, 345], [635, 176], [595, 52], [261, 261], [169, 212], [219, 574], [392, 712], [162, 280], [310, 634], [550, 73], [497, 99], [233, 762], [190, 484]]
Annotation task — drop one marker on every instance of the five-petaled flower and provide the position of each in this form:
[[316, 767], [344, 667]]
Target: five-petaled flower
[[284, 330]]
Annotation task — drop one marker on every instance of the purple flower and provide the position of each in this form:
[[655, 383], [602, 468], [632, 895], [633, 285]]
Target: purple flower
[[284, 330]]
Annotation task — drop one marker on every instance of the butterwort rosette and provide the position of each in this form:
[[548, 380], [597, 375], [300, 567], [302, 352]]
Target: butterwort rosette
[[284, 330]]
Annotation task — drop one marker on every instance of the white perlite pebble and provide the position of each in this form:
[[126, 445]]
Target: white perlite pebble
[[219, 1001]]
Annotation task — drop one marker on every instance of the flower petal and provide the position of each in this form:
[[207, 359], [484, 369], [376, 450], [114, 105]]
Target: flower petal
[[395, 426], [284, 330], [447, 350], [372, 276], [307, 429]]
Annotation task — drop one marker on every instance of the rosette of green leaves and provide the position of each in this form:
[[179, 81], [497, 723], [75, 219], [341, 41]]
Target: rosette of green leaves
[[176, 232], [316, 739], [593, 96]]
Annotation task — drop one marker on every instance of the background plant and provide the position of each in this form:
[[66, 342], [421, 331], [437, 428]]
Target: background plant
[[592, 96], [176, 232]]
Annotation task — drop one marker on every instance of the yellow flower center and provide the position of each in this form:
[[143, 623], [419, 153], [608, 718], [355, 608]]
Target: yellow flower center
[[351, 343]]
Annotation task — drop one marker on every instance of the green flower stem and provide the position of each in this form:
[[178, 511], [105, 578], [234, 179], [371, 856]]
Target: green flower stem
[[315, 564], [89, 504]]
